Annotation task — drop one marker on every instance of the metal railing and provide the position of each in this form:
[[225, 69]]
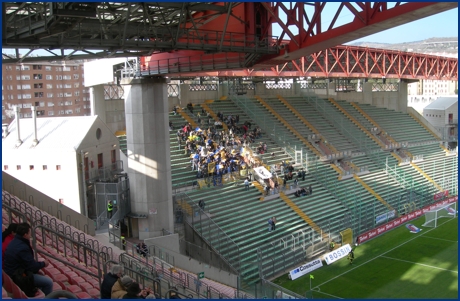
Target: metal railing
[[118, 193], [196, 220], [108, 173]]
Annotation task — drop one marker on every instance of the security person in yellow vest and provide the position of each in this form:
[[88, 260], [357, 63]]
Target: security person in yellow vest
[[109, 209], [332, 245], [123, 241]]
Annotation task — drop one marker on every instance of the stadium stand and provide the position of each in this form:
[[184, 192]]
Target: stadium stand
[[353, 173]]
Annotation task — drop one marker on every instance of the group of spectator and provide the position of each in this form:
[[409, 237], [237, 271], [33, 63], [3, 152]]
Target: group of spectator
[[218, 149], [303, 192], [142, 249], [18, 262], [117, 286]]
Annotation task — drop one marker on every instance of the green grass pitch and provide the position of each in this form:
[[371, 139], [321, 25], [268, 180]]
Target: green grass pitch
[[395, 265]]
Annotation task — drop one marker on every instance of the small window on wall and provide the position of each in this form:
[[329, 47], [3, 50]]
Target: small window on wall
[[58, 167], [5, 167], [45, 167], [18, 167], [61, 201], [31, 167]]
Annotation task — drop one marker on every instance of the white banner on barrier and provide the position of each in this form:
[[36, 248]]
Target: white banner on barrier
[[304, 269], [337, 254]]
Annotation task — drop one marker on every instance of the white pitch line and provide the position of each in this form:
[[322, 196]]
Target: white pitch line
[[328, 294], [425, 265], [340, 275], [441, 239]]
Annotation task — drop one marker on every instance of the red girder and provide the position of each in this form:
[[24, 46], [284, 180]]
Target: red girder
[[369, 18], [312, 51], [340, 61]]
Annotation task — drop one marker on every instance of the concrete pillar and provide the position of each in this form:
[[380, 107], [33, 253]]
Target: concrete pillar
[[296, 90], [260, 89], [222, 90], [402, 96], [149, 167], [97, 101], [367, 93], [184, 95]]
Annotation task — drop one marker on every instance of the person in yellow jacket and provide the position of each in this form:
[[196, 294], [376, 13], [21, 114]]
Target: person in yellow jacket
[[332, 245], [123, 241], [119, 289], [109, 209]]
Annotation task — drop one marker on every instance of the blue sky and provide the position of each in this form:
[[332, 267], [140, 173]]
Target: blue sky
[[443, 24], [440, 25]]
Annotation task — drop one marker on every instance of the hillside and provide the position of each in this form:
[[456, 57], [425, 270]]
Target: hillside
[[433, 45]]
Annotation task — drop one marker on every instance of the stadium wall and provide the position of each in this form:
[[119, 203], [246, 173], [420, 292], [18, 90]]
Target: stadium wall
[[393, 100], [45, 203], [401, 220], [171, 244]]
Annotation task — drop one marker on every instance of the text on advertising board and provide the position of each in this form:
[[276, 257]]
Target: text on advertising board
[[337, 254], [306, 268]]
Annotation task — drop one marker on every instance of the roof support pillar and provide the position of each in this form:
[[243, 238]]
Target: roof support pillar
[[149, 167]]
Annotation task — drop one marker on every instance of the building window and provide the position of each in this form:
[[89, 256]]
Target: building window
[[5, 167], [38, 86], [50, 113], [22, 67], [49, 77], [49, 95], [18, 167], [38, 76], [49, 86], [37, 67], [45, 167], [58, 167], [31, 167], [61, 201], [48, 68]]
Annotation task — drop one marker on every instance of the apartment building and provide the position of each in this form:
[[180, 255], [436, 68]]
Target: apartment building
[[55, 88]]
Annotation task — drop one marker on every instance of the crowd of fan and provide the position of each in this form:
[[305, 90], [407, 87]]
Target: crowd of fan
[[214, 145], [222, 147]]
